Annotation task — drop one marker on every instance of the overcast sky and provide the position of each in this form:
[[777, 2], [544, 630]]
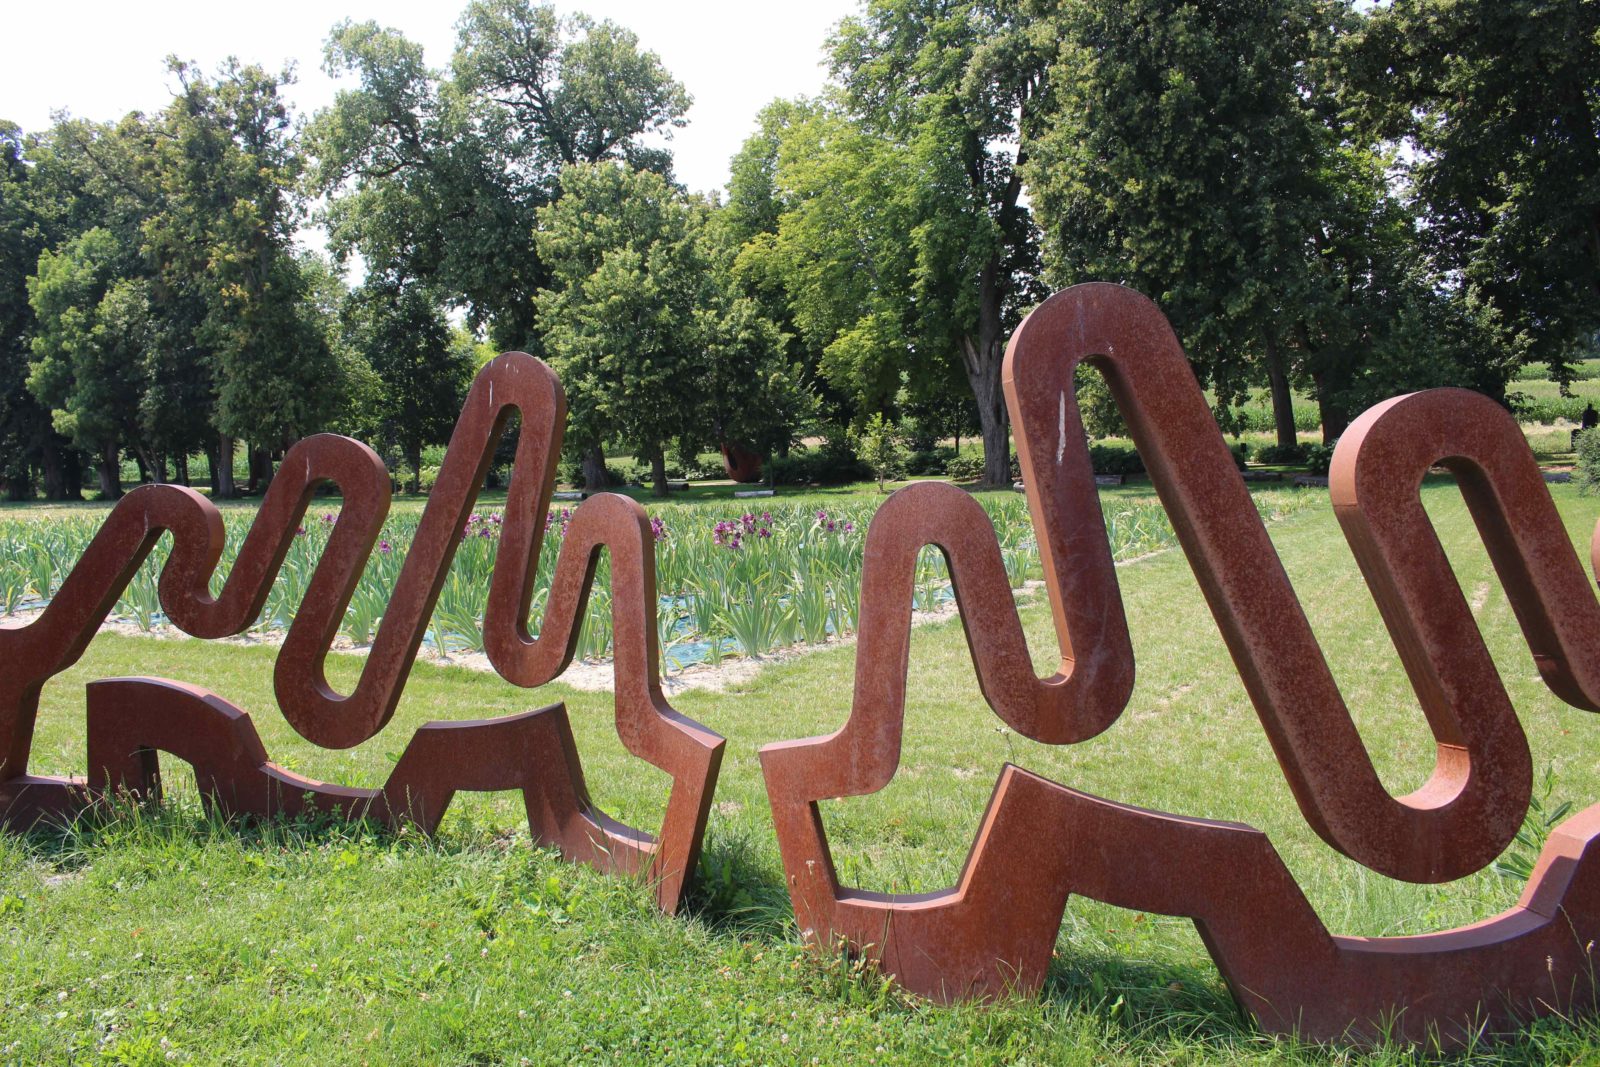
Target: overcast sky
[[102, 60]]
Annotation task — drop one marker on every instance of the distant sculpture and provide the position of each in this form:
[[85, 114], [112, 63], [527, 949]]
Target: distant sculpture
[[1041, 841], [740, 464], [131, 719]]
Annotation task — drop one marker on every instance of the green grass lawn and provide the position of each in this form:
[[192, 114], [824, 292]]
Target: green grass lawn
[[171, 938]]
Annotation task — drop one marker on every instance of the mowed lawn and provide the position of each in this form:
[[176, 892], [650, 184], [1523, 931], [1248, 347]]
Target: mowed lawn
[[158, 938]]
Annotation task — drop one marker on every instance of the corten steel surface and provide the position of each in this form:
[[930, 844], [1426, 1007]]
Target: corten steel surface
[[1040, 841], [741, 464], [534, 752]]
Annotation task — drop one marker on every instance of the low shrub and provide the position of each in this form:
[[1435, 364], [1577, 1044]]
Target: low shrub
[[1281, 455], [1113, 459], [929, 461], [820, 466], [1319, 458], [1587, 444], [618, 472], [967, 468]]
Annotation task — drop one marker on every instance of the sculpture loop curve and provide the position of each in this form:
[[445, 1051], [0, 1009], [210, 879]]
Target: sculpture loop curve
[[1040, 841], [514, 383]]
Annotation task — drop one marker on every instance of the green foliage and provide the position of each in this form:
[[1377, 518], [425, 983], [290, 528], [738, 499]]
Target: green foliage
[[90, 342], [651, 345], [1588, 466], [966, 468], [880, 448], [422, 369], [1319, 458], [1097, 406], [1114, 459], [628, 271], [1498, 101], [438, 178], [25, 430], [889, 214], [932, 461], [223, 232], [1281, 455], [1258, 418], [1548, 409], [1180, 158], [1201, 155], [831, 464]]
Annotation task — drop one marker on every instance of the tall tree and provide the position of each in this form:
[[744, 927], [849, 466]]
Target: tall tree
[[84, 176], [629, 271], [1181, 158], [25, 431], [963, 86], [758, 391], [92, 335], [1500, 103], [746, 227], [437, 178], [843, 255], [903, 242], [228, 167], [422, 371]]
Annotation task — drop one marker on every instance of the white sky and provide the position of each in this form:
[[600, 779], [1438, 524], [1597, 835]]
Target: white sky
[[102, 60]]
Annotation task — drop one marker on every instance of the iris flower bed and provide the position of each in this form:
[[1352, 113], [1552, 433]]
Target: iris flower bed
[[730, 582]]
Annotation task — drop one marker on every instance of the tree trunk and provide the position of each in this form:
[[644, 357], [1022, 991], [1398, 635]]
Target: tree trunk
[[152, 467], [1334, 417], [55, 472], [110, 470], [594, 469], [982, 363], [1282, 399], [658, 470], [222, 469], [414, 461], [180, 468], [20, 488], [260, 469], [72, 468], [982, 357]]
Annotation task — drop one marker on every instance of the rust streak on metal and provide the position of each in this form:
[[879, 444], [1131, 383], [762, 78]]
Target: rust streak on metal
[[443, 757], [1040, 841]]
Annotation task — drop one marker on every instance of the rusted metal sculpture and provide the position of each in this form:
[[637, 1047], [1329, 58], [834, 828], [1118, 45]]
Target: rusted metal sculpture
[[1041, 841], [740, 463], [130, 718]]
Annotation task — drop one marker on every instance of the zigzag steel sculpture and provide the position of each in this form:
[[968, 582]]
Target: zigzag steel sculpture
[[129, 719], [1041, 841]]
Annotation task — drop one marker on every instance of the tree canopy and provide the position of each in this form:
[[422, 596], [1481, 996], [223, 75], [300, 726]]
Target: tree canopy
[[1328, 198]]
